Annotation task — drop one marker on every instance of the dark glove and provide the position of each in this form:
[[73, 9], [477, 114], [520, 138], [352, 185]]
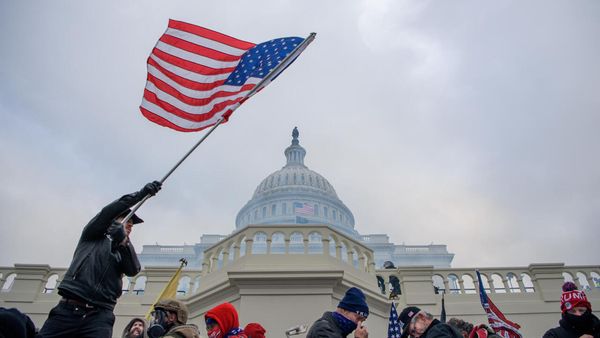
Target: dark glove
[[117, 234], [151, 188], [157, 327]]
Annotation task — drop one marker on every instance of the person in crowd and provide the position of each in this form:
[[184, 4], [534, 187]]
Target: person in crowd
[[483, 331], [461, 326], [93, 282], [222, 321], [254, 330], [348, 317], [577, 318], [15, 324], [170, 320], [135, 329], [418, 323]]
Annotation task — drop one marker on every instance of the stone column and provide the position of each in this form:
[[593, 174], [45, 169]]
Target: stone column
[[416, 285], [547, 280], [249, 242], [28, 283], [325, 242]]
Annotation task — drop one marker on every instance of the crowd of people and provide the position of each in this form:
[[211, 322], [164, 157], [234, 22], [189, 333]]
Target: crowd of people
[[104, 253]]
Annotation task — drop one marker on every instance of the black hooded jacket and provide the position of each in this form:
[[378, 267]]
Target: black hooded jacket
[[96, 271], [438, 329], [566, 330]]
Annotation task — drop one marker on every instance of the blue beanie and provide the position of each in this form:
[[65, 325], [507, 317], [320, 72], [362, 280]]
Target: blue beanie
[[355, 301]]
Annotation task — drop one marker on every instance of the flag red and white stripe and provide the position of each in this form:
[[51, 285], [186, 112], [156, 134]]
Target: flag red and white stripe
[[498, 322], [187, 88]]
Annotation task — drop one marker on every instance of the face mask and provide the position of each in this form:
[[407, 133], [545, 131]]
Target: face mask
[[580, 323], [345, 324], [214, 333]]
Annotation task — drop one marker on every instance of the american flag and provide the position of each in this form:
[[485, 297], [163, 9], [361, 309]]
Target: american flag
[[394, 330], [303, 209], [502, 326], [197, 76]]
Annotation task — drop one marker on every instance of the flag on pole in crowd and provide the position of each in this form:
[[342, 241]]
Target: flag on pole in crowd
[[303, 209], [197, 76], [170, 290], [502, 326], [394, 330], [443, 313]]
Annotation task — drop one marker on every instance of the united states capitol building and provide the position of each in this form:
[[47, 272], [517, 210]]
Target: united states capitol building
[[294, 252], [297, 195]]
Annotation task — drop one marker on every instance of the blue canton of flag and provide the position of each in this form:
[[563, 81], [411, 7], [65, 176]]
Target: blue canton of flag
[[259, 60], [394, 330]]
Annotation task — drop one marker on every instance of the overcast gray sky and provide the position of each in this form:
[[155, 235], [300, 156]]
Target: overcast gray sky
[[468, 123]]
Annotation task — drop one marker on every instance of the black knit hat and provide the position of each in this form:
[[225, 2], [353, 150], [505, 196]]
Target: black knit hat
[[15, 324], [405, 317], [355, 301]]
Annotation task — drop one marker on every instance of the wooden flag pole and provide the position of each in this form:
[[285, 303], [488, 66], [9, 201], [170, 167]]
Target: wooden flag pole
[[272, 74]]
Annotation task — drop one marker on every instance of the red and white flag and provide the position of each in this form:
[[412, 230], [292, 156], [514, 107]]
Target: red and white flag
[[498, 322], [197, 76]]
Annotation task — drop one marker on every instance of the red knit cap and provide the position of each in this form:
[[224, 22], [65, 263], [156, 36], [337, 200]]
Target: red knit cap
[[225, 315], [571, 298], [254, 330]]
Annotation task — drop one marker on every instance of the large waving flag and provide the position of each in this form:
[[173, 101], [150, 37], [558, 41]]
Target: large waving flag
[[197, 76], [502, 326]]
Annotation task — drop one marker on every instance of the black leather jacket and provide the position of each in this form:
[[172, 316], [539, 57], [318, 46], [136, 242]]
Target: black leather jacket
[[96, 271]]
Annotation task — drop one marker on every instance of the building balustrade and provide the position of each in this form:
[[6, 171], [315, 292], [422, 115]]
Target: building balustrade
[[288, 240], [541, 279]]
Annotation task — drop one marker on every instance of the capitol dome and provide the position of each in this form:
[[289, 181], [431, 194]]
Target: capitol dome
[[296, 195]]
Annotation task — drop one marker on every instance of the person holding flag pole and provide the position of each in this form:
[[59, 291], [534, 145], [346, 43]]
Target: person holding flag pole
[[196, 79]]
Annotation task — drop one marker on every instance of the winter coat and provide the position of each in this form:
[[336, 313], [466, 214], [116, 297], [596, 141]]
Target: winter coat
[[96, 271], [438, 329], [567, 331], [128, 327], [325, 327], [183, 331]]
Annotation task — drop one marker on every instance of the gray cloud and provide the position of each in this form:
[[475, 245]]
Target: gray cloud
[[465, 123]]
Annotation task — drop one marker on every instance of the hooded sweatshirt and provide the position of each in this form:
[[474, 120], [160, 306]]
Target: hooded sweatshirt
[[226, 317], [128, 327]]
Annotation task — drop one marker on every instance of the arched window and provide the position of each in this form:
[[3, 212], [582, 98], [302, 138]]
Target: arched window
[[51, 284], [140, 285], [453, 283], [498, 283], [315, 243], [184, 286], [394, 286], [583, 282], [468, 284], [438, 284], [381, 284], [259, 244], [513, 284], [296, 243], [527, 282], [278, 243], [196, 284], [568, 277], [595, 279], [8, 283]]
